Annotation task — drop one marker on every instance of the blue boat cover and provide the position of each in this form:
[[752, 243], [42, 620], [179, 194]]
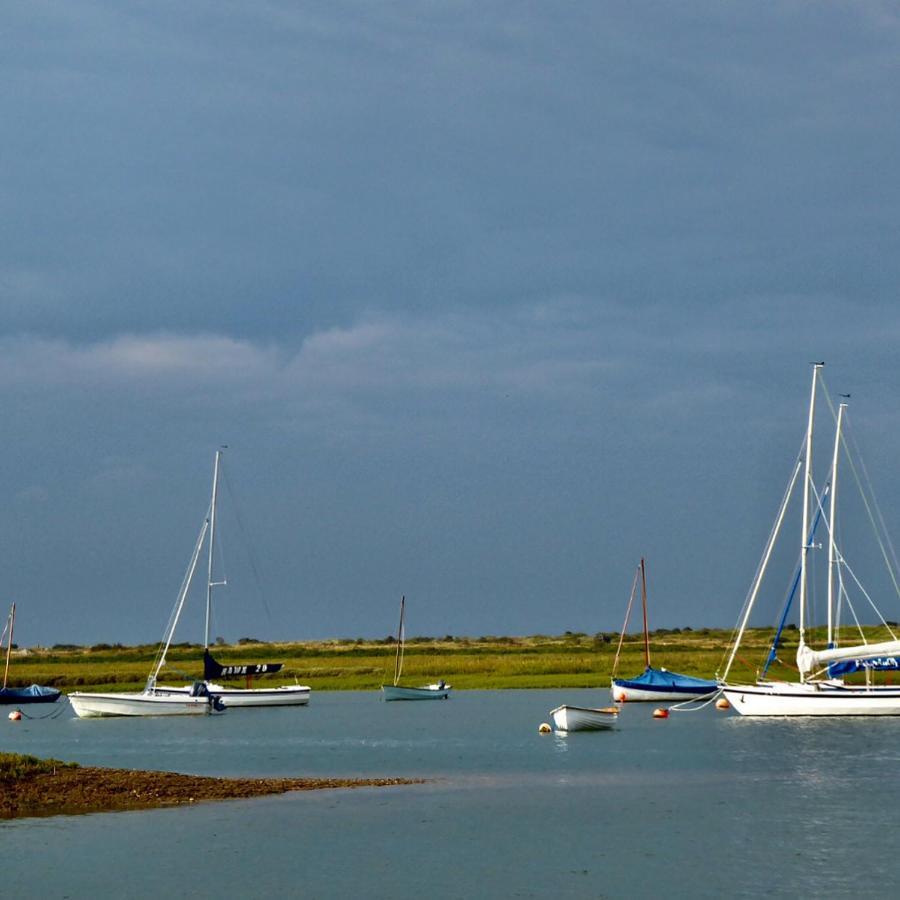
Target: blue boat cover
[[36, 693], [661, 680]]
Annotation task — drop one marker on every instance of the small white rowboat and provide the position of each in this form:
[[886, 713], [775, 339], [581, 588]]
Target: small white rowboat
[[581, 718]]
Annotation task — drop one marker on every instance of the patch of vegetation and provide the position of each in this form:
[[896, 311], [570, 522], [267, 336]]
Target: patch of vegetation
[[18, 765]]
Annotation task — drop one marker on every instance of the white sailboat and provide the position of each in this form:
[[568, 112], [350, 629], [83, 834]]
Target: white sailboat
[[197, 699], [820, 690], [286, 695], [396, 691]]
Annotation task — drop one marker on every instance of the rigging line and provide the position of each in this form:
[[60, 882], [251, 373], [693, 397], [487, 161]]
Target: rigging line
[[820, 513], [871, 602], [159, 660], [791, 590], [881, 533], [843, 564], [685, 705], [856, 621], [884, 530], [634, 585], [250, 552], [740, 626]]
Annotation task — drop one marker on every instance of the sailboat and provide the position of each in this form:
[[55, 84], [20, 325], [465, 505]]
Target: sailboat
[[213, 671], [396, 691], [820, 689], [653, 684], [35, 693], [197, 700]]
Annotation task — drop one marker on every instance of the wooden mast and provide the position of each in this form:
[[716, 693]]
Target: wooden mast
[[644, 602]]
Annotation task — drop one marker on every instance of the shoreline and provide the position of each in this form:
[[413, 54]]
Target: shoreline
[[43, 788]]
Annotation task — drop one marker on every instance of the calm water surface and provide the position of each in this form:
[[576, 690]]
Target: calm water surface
[[703, 804]]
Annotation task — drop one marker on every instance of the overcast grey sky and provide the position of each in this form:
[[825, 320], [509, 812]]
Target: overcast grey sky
[[487, 300]]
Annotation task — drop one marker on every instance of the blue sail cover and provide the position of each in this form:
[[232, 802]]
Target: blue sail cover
[[875, 664], [668, 682]]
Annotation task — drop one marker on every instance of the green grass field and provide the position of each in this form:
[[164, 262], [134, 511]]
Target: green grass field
[[539, 661]]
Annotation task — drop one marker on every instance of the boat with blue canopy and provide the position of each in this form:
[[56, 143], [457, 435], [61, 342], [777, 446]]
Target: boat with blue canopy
[[35, 693], [653, 684]]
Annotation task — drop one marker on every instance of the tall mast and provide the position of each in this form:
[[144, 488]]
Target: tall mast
[[832, 554], [644, 603], [212, 544], [398, 660], [12, 624], [804, 535]]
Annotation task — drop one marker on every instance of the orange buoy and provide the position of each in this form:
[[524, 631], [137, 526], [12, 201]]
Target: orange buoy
[[660, 713], [15, 715], [722, 703]]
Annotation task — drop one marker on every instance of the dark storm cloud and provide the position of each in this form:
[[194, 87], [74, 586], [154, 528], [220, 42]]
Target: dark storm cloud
[[487, 300]]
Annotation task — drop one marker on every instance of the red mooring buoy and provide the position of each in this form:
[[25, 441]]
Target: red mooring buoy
[[722, 703], [660, 713]]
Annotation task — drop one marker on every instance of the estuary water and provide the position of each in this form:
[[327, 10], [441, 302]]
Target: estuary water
[[703, 804]]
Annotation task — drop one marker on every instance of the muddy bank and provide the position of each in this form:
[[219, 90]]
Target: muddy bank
[[66, 790]]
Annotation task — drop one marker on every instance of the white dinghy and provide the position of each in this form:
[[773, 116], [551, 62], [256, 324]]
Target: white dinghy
[[196, 701], [582, 718], [438, 691], [821, 690]]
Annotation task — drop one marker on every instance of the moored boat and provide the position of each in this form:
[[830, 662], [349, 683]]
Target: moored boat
[[396, 691], [582, 718], [439, 691], [660, 684], [286, 695], [820, 689], [653, 684], [34, 693], [150, 702]]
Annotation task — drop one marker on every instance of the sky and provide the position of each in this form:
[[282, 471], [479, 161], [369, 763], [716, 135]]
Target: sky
[[486, 300]]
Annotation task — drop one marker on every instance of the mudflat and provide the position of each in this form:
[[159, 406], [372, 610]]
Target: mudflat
[[35, 787]]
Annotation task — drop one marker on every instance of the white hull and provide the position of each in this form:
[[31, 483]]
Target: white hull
[[812, 699], [580, 718], [635, 695], [427, 692], [88, 706], [289, 695]]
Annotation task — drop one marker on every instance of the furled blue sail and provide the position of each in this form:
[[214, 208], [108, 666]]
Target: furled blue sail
[[875, 664]]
